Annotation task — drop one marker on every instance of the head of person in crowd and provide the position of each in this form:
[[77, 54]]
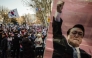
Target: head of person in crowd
[[39, 35], [26, 35], [75, 35], [23, 30], [60, 6], [16, 32], [9, 36], [3, 35], [25, 38]]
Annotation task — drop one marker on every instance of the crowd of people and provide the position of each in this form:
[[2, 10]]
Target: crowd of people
[[22, 41]]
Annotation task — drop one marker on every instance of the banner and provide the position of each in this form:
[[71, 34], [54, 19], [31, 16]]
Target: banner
[[63, 40]]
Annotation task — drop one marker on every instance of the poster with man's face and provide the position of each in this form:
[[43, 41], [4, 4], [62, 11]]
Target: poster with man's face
[[72, 13]]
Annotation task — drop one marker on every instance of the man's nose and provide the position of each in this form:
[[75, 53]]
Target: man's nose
[[77, 35]]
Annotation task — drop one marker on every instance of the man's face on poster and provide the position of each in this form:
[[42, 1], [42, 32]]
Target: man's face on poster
[[75, 37]]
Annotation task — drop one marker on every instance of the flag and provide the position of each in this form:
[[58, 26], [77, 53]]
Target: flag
[[13, 13]]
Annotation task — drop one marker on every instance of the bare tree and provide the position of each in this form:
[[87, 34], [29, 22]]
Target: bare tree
[[4, 14], [43, 8]]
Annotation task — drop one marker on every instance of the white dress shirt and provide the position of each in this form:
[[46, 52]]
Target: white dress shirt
[[77, 48], [78, 51], [57, 16]]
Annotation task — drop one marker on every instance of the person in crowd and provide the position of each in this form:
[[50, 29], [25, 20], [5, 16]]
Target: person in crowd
[[4, 46], [1, 31], [16, 45], [27, 45], [38, 45], [9, 38], [70, 47]]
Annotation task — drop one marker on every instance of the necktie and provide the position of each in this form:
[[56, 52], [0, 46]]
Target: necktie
[[75, 53]]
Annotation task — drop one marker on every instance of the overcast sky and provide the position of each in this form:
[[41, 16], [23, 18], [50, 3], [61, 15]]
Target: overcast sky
[[13, 4]]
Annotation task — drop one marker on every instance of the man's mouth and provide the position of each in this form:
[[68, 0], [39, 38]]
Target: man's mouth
[[76, 39]]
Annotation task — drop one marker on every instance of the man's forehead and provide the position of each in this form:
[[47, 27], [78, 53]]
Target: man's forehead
[[76, 29]]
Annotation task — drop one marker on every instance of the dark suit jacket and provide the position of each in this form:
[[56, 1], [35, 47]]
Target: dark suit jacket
[[15, 42], [28, 51], [57, 27], [4, 43]]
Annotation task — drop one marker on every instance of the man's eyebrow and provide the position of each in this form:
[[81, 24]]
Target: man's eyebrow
[[77, 31]]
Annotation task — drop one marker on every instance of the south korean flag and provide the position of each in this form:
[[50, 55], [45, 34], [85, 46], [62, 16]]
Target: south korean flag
[[13, 14]]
